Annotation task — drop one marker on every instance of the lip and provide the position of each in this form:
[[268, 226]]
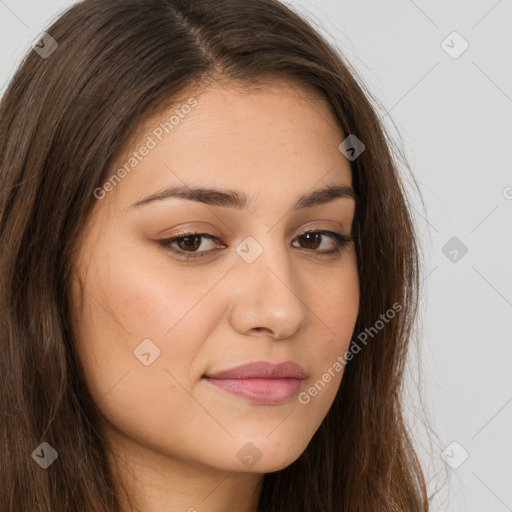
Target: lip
[[261, 381]]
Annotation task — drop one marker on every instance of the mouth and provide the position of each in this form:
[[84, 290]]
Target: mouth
[[261, 382]]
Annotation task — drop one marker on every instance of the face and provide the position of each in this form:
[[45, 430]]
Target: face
[[178, 289]]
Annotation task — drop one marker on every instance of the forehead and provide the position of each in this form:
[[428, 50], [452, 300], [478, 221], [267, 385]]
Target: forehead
[[273, 137]]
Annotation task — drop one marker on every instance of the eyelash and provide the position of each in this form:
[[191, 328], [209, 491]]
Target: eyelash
[[340, 239]]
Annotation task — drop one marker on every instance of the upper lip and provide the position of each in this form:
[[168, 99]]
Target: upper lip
[[262, 370]]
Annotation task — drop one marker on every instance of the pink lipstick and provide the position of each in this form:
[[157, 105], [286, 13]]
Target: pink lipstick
[[261, 382]]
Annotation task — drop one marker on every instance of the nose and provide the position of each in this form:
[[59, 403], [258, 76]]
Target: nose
[[266, 298]]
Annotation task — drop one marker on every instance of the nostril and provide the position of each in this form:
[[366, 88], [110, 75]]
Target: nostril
[[263, 329]]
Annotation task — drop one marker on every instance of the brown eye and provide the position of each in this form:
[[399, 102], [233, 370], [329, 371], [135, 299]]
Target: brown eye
[[186, 245], [312, 239], [189, 242]]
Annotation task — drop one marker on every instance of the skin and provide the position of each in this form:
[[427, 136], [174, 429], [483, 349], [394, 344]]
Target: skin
[[175, 436]]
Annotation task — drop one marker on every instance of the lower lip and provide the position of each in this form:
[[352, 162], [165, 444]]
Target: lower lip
[[262, 391]]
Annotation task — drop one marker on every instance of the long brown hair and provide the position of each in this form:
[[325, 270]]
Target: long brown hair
[[63, 119]]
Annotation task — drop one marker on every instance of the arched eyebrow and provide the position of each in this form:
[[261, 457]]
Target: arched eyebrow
[[233, 199]]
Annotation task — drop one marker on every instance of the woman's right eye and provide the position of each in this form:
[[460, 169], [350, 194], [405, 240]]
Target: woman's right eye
[[186, 245]]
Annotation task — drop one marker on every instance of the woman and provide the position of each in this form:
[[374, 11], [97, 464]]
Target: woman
[[209, 273]]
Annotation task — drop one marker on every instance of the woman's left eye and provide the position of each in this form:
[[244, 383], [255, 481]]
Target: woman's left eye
[[187, 245]]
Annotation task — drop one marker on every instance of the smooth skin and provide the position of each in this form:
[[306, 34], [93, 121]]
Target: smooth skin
[[177, 438]]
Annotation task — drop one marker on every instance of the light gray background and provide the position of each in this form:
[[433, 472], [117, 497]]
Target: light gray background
[[454, 116]]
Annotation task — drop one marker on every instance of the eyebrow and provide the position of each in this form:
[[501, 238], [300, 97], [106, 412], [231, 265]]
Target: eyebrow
[[238, 200]]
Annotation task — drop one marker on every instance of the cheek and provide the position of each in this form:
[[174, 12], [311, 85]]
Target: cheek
[[335, 306], [134, 307], [127, 304], [151, 295], [334, 311]]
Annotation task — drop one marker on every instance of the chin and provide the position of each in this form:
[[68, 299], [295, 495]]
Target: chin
[[254, 457]]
